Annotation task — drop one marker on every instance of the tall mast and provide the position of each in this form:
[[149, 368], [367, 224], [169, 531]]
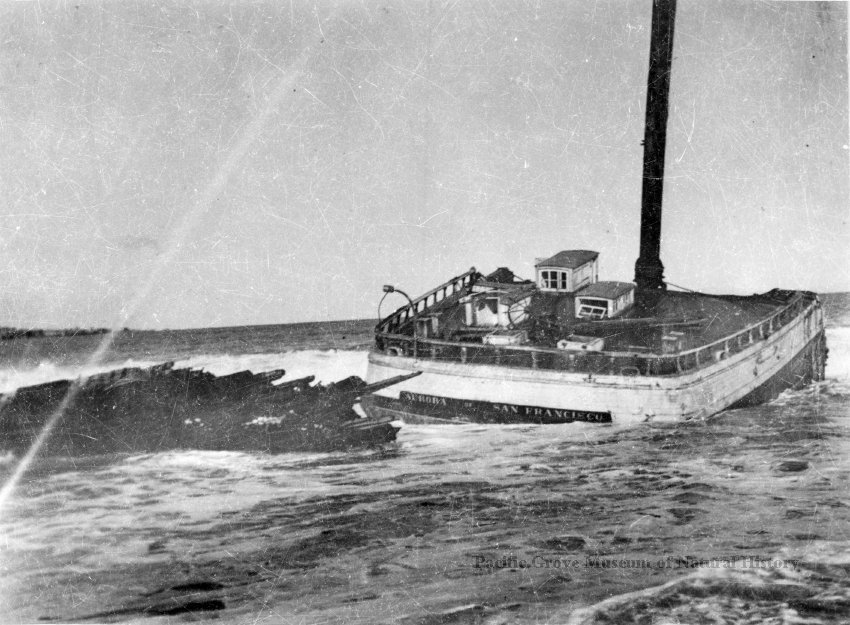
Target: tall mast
[[649, 272]]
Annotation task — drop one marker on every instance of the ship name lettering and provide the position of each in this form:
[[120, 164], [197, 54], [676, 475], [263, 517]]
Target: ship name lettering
[[561, 413], [428, 399]]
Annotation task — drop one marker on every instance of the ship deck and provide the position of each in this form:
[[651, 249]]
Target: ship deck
[[671, 332], [699, 318]]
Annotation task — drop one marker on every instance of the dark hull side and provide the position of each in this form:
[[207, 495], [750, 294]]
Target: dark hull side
[[140, 412], [805, 367]]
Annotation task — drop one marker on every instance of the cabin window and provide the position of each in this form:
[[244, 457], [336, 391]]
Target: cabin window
[[552, 279], [592, 312], [592, 308], [592, 301]]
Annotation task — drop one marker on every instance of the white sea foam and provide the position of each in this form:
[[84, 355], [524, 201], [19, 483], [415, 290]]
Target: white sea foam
[[838, 361], [12, 378], [326, 365]]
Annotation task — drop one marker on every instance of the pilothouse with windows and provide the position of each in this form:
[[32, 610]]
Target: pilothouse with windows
[[567, 271]]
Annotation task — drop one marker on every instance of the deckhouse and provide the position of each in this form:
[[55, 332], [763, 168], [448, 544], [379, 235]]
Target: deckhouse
[[567, 271], [604, 300]]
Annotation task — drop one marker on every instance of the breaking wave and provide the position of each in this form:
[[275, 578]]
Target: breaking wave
[[741, 592], [12, 378], [326, 365]]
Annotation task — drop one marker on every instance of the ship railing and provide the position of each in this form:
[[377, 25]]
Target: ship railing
[[392, 322], [592, 362]]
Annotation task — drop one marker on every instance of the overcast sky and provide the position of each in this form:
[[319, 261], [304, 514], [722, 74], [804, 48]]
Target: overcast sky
[[176, 165]]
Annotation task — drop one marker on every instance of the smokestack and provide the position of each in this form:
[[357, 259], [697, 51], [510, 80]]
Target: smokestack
[[649, 272]]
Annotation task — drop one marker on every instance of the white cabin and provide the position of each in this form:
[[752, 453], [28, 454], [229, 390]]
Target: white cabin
[[604, 300], [567, 271]]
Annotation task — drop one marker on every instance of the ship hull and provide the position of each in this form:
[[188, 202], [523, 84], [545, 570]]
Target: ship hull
[[462, 392]]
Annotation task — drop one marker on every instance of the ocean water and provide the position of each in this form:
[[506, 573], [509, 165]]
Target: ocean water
[[742, 518]]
